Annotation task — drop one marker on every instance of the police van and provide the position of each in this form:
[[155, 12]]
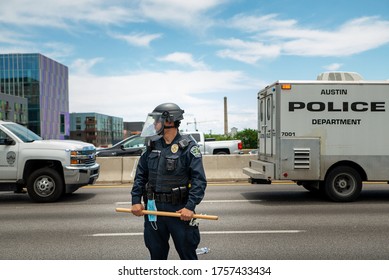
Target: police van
[[329, 134]]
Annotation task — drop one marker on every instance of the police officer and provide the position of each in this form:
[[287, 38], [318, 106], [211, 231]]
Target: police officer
[[170, 177]]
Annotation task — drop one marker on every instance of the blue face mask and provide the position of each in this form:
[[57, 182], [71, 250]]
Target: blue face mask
[[152, 207]]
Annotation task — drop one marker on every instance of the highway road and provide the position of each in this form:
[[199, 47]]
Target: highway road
[[268, 222]]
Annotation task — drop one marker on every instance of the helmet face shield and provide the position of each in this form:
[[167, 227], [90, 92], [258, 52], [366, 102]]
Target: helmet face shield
[[154, 125], [155, 122]]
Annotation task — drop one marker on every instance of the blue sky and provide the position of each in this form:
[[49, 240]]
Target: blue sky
[[127, 56]]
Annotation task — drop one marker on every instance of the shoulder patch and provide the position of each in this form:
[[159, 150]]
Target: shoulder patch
[[195, 151], [184, 141]]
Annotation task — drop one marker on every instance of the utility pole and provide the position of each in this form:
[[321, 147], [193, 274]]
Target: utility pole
[[195, 123]]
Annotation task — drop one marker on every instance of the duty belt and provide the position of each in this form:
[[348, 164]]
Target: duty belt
[[163, 197], [176, 196]]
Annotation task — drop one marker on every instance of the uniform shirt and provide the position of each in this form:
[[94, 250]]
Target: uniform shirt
[[165, 166]]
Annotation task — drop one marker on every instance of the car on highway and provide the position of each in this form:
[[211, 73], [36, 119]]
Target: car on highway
[[134, 145]]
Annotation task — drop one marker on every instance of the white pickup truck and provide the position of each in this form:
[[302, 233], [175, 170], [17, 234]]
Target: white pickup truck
[[47, 168], [208, 146]]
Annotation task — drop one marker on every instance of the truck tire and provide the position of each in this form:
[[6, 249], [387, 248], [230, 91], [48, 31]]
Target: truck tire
[[343, 184], [221, 152], [311, 186], [45, 185]]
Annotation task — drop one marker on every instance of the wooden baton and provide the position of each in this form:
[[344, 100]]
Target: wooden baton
[[168, 214]]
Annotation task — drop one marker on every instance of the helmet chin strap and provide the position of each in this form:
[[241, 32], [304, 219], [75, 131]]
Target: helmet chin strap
[[165, 127]]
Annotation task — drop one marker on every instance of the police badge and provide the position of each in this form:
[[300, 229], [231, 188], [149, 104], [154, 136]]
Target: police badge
[[174, 148]]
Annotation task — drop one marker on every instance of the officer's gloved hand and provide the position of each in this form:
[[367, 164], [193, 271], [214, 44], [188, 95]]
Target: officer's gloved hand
[[186, 214], [137, 209]]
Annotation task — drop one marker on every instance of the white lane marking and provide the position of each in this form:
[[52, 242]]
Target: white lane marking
[[252, 231], [115, 234], [231, 201], [204, 233], [208, 201]]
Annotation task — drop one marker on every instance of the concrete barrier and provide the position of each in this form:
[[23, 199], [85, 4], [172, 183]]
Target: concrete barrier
[[218, 168]]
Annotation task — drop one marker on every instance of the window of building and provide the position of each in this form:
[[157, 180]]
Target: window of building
[[62, 124]]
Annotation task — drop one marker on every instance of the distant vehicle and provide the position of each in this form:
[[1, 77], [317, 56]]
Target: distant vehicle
[[131, 146], [208, 146], [135, 146]]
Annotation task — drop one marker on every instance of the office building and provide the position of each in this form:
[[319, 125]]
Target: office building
[[97, 129], [13, 108], [44, 83]]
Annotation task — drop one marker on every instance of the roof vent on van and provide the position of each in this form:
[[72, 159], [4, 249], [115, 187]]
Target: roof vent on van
[[339, 76]]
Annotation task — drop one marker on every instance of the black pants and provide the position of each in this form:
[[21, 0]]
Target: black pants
[[186, 238]]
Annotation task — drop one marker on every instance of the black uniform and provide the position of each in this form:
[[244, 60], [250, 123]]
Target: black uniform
[[174, 176]]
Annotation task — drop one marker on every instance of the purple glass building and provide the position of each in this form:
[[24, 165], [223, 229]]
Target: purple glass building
[[44, 82]]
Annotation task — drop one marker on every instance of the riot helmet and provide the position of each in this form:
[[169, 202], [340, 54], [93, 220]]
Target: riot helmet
[[155, 122]]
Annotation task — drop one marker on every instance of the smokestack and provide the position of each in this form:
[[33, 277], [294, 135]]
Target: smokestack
[[225, 117]]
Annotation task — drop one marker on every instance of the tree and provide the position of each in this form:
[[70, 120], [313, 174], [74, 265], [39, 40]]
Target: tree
[[249, 138]]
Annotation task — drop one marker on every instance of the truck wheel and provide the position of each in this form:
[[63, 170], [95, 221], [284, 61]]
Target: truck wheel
[[311, 186], [343, 184], [45, 185]]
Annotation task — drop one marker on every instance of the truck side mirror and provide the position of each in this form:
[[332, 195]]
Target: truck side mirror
[[7, 141]]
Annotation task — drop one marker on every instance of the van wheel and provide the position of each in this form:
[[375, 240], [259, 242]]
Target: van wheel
[[312, 186], [45, 185], [343, 184]]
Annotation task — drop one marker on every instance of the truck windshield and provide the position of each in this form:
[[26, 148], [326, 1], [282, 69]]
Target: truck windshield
[[22, 132]]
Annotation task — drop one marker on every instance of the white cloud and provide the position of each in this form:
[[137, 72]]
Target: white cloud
[[9, 37], [68, 14], [83, 67], [185, 59], [133, 96], [138, 39], [247, 51], [353, 37], [12, 43], [333, 66], [185, 13], [248, 23], [55, 50], [285, 37], [65, 13]]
